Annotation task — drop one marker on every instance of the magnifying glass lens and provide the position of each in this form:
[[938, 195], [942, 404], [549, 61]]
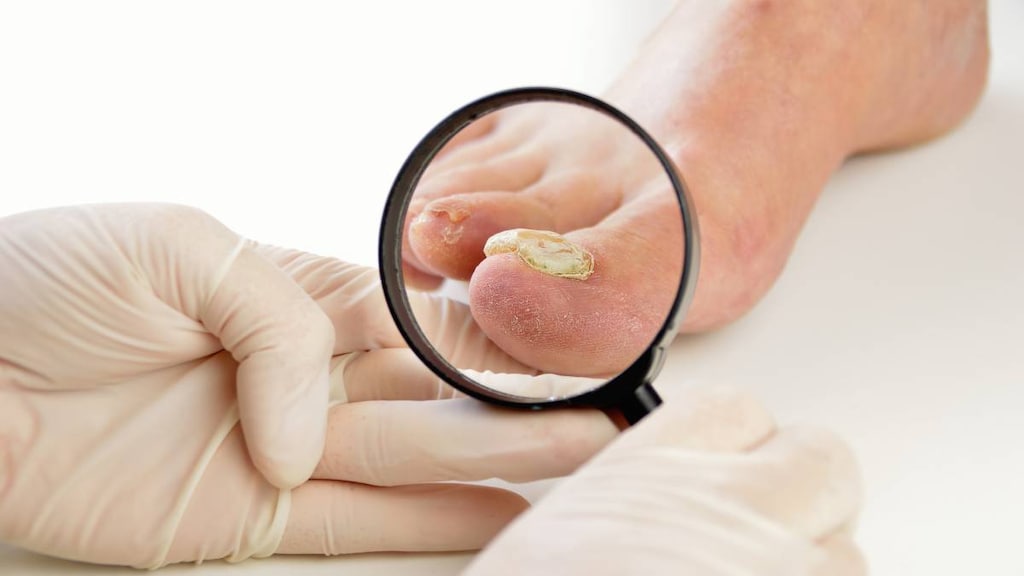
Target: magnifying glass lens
[[559, 233]]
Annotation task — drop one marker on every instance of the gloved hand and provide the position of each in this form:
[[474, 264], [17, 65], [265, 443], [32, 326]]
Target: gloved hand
[[164, 391], [705, 486]]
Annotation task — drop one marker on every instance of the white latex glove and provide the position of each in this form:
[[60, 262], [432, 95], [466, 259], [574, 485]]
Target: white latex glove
[[164, 390], [705, 486]]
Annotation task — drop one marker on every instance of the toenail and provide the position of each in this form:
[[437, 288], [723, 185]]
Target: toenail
[[454, 213], [547, 252], [452, 230]]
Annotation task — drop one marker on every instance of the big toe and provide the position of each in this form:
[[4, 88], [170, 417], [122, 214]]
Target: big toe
[[586, 325]]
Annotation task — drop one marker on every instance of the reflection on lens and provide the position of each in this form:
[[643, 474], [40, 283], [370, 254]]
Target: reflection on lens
[[539, 387]]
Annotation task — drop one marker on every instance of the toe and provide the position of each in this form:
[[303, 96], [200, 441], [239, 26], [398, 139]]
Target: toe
[[455, 210], [592, 327], [448, 235]]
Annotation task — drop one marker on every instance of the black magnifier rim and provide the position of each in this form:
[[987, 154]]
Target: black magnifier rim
[[613, 392]]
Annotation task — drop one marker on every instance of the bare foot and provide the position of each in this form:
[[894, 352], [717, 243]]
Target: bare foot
[[757, 101]]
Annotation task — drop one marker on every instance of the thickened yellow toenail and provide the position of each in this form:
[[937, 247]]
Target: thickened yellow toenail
[[544, 251]]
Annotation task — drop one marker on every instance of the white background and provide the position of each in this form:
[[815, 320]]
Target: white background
[[286, 120], [898, 322]]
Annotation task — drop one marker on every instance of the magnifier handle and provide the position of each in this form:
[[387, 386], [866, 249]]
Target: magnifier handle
[[642, 402]]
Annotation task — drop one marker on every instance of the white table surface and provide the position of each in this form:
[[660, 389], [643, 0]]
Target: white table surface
[[899, 321]]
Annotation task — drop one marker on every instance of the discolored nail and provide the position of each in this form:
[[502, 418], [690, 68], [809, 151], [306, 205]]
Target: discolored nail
[[544, 251], [450, 216]]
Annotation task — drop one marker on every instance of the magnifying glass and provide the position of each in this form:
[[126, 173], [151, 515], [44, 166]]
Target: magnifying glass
[[583, 299]]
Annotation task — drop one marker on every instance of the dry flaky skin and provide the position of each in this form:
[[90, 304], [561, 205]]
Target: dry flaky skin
[[544, 251]]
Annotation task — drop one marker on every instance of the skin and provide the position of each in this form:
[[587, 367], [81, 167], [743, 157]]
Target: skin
[[758, 102]]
